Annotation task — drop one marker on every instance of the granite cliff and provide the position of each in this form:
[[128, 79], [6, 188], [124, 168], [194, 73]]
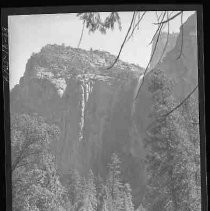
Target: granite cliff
[[180, 64], [160, 49]]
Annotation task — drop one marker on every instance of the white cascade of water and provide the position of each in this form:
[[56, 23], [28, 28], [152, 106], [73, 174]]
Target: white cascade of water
[[86, 87]]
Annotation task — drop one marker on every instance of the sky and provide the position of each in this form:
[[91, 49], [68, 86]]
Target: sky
[[29, 33]]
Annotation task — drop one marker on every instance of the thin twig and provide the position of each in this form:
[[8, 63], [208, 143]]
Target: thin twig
[[81, 34], [182, 102], [139, 16], [137, 24], [182, 37], [123, 43], [157, 30], [138, 89], [164, 49], [157, 16], [134, 21], [162, 22], [171, 13], [160, 16]]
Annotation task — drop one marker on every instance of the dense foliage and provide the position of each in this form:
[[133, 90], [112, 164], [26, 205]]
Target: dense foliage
[[93, 21], [36, 183], [173, 163]]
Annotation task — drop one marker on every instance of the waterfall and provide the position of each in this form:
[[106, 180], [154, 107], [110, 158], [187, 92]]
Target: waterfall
[[82, 120], [86, 87], [87, 82]]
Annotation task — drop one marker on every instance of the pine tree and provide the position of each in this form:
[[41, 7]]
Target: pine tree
[[114, 197], [90, 199], [168, 145], [107, 202], [128, 203], [100, 192], [190, 113], [75, 189]]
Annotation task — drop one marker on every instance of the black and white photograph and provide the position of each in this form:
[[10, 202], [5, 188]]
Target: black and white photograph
[[104, 110]]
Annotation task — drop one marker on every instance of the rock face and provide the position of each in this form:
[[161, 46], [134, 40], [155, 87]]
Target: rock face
[[180, 64], [166, 42], [92, 104]]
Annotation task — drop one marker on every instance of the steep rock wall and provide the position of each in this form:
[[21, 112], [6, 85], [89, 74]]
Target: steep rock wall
[[92, 106], [182, 70], [161, 48], [181, 63]]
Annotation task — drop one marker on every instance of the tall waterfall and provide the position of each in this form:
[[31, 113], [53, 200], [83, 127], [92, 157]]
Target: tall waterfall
[[86, 88]]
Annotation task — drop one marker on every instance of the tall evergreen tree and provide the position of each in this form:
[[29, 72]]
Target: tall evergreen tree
[[75, 189], [100, 192], [107, 204], [190, 113], [89, 198], [128, 203], [114, 197], [169, 148]]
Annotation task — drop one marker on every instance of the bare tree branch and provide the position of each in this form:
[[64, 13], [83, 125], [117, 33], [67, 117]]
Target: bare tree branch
[[182, 102], [134, 20], [20, 156], [123, 42], [81, 34], [157, 16], [157, 29], [171, 13], [23, 152], [137, 24], [162, 13], [25, 163], [139, 16], [162, 22], [164, 49], [140, 84], [182, 30]]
